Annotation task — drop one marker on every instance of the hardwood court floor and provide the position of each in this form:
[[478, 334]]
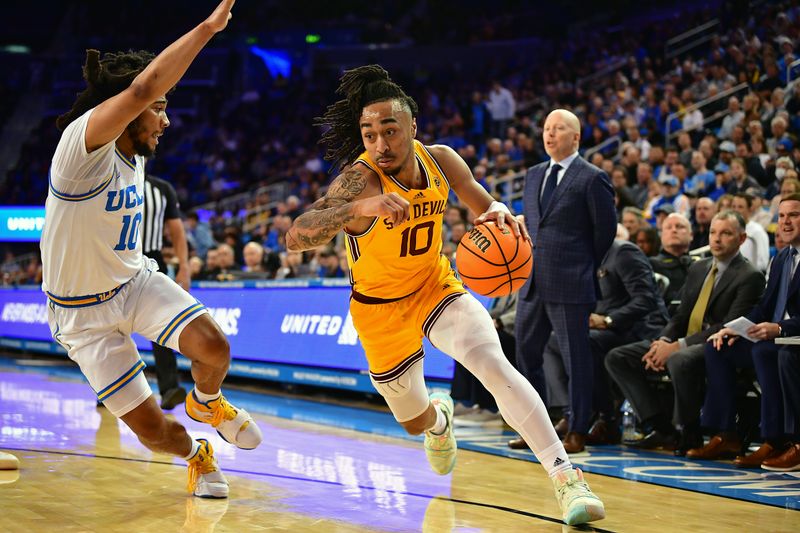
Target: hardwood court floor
[[84, 471]]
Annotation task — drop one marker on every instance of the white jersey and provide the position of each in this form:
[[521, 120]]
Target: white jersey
[[93, 217]]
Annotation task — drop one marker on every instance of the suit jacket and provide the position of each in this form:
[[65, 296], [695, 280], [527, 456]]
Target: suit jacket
[[762, 312], [629, 292], [737, 291], [573, 234]]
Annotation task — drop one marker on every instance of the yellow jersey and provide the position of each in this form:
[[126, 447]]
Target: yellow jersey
[[390, 261]]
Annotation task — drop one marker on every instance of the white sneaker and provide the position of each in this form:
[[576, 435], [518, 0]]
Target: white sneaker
[[577, 501], [460, 409], [233, 424], [479, 417], [206, 480], [441, 449]]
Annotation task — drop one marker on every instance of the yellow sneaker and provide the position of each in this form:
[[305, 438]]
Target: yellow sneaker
[[233, 424], [206, 480], [441, 449], [577, 501]]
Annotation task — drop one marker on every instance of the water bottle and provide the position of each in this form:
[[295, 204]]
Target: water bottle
[[628, 422]]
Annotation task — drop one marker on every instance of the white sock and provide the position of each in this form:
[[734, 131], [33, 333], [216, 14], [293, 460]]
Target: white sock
[[205, 398], [193, 452], [440, 426], [554, 459]]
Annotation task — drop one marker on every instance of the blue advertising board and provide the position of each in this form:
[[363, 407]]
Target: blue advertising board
[[21, 224], [306, 324]]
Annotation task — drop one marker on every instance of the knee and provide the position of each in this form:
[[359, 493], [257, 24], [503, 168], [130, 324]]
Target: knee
[[612, 360], [215, 347]]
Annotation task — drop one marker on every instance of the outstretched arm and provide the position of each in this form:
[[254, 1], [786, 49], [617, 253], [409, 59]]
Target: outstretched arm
[[110, 118], [350, 197]]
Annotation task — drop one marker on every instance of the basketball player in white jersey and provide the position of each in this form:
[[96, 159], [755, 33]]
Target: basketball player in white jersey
[[99, 288]]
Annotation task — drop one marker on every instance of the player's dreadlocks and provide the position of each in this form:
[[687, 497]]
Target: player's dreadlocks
[[360, 87], [105, 78]]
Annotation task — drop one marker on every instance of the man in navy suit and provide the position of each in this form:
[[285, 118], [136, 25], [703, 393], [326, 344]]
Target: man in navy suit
[[569, 211], [777, 314]]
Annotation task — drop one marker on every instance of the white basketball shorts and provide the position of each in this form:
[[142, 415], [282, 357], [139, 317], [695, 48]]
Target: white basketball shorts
[[96, 332]]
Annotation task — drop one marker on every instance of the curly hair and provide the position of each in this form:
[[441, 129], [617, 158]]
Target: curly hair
[[105, 78], [360, 87]]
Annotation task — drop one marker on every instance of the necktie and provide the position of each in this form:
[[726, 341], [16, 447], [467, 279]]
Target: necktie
[[699, 310], [783, 288], [549, 186]]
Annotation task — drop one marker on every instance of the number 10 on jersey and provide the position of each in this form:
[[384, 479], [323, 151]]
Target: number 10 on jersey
[[411, 245], [130, 232]]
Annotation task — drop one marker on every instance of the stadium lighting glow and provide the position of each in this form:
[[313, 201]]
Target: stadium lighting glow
[[277, 61]]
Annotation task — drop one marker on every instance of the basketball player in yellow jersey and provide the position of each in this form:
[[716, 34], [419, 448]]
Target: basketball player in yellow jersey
[[389, 200]]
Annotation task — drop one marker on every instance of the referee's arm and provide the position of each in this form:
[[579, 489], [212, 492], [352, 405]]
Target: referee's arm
[[178, 237]]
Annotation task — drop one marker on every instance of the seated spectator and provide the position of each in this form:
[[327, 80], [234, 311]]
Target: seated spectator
[[776, 314], [722, 178], [196, 267], [458, 230], [633, 220], [198, 235], [789, 185], [329, 264], [704, 211], [740, 181], [258, 263], [718, 289], [630, 309], [623, 193], [674, 260], [665, 170], [640, 190], [211, 269], [724, 203], [293, 265], [734, 117], [756, 248], [226, 263], [702, 178], [276, 237], [783, 165], [670, 195], [647, 240]]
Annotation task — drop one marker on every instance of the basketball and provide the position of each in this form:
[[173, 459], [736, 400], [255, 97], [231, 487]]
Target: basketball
[[493, 262]]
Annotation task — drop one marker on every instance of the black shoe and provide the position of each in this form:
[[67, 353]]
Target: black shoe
[[687, 441], [172, 398], [100, 404], [653, 440], [518, 444]]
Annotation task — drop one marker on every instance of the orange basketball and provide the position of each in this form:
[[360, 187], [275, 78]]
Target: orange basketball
[[493, 262]]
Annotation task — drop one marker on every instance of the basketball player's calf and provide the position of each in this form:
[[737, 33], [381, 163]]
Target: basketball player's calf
[[160, 434], [208, 349]]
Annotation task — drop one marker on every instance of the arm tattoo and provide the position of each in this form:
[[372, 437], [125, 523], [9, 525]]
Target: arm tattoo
[[328, 215]]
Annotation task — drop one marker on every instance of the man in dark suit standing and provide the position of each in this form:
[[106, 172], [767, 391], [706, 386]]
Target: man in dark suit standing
[[717, 289], [569, 211], [777, 314], [630, 309]]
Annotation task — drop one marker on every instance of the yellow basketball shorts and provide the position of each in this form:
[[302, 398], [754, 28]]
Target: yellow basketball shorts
[[391, 333]]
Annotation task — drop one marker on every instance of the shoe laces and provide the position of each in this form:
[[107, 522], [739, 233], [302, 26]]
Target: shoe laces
[[202, 463], [574, 485], [222, 412]]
